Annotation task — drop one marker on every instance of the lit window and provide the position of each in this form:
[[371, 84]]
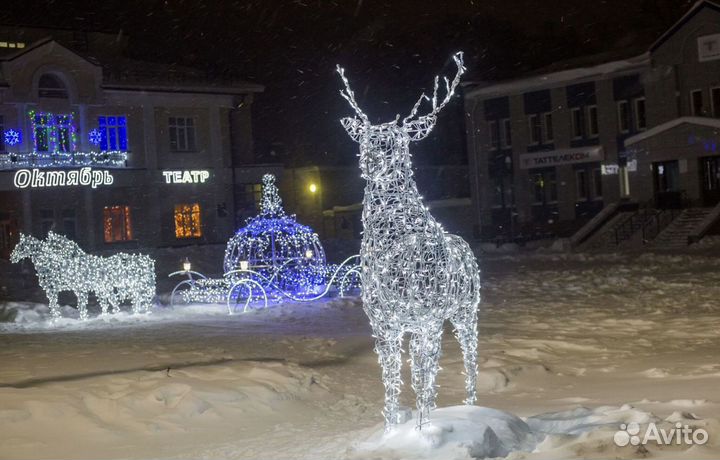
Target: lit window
[[187, 221], [53, 133], [117, 224], [21, 45], [51, 86], [623, 110], [182, 134], [640, 118], [3, 44], [113, 133]]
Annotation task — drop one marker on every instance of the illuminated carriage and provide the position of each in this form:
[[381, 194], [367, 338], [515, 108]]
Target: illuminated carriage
[[272, 258]]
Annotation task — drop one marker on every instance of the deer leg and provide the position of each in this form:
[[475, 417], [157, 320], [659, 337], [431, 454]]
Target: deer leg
[[424, 361], [389, 349], [465, 324], [82, 299]]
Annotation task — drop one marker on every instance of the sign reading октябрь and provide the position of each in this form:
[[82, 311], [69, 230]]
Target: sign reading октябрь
[[37, 178]]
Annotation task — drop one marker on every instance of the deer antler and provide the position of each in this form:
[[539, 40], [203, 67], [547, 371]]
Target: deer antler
[[349, 95], [449, 87]]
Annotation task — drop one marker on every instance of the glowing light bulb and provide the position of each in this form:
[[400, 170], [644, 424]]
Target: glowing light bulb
[[187, 266], [244, 265], [313, 187], [309, 254]]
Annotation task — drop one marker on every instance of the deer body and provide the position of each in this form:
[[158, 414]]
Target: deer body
[[415, 276]]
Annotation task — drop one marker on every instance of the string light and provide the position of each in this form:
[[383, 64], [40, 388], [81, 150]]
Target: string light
[[108, 159], [61, 265], [13, 137], [278, 247], [414, 275], [95, 136]]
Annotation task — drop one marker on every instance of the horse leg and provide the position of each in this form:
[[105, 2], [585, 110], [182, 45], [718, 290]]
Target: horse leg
[[53, 304], [103, 299], [82, 299], [388, 346], [465, 324], [424, 362]]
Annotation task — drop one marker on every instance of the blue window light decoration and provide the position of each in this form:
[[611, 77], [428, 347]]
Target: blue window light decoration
[[13, 137], [113, 133], [276, 246]]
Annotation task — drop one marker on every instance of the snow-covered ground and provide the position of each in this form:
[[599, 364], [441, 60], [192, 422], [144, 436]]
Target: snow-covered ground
[[571, 346]]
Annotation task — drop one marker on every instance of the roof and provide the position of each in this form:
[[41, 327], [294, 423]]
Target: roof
[[700, 121], [695, 9], [586, 67], [123, 73], [548, 80]]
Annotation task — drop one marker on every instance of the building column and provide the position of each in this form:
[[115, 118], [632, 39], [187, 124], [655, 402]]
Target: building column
[[91, 227], [151, 154], [83, 145]]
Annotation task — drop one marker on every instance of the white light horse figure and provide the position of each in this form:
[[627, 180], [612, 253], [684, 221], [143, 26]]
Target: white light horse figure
[[62, 266], [414, 274]]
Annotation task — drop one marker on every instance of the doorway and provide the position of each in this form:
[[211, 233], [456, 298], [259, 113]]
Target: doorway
[[666, 184]]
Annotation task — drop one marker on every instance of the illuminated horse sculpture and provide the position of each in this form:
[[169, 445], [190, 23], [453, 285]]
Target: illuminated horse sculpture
[[62, 266], [414, 274]]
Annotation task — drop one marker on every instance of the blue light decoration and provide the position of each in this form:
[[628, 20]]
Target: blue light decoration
[[13, 137], [95, 136], [277, 247]]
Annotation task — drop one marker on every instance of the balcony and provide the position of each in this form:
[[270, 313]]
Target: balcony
[[105, 159]]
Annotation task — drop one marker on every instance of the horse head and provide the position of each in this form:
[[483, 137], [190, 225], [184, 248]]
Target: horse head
[[28, 246]]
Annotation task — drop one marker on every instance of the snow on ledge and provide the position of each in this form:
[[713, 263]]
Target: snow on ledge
[[701, 121]]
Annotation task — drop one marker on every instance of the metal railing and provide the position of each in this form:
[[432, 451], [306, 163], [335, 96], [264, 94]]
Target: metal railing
[[105, 159]]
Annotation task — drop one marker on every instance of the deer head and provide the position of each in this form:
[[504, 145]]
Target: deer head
[[26, 247], [384, 148]]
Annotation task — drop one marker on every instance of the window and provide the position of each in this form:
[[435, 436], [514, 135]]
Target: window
[[577, 123], [592, 116], [581, 185], [187, 221], [12, 44], [182, 134], [51, 86], [53, 133], [549, 132], [2, 131], [545, 186], [47, 221], [696, 103], [715, 100], [493, 134], [535, 129], [113, 133], [623, 110], [117, 224], [506, 133], [68, 223], [640, 117]]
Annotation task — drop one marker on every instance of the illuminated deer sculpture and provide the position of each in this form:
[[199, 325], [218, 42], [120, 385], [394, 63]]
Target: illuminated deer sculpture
[[414, 274]]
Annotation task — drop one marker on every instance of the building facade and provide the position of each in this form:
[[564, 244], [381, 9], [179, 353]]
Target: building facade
[[548, 152], [114, 153]]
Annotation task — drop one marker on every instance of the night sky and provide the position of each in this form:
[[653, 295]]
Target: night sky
[[391, 51]]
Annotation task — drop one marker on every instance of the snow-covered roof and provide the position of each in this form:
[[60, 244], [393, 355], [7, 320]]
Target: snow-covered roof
[[701, 121], [681, 22], [549, 80]]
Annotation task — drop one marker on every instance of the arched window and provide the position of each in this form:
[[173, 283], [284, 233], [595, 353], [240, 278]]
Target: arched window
[[51, 86]]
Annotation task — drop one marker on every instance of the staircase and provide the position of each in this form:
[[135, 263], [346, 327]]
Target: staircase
[[675, 235], [606, 238]]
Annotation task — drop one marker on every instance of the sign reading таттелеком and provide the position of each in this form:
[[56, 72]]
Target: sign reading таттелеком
[[560, 157]]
